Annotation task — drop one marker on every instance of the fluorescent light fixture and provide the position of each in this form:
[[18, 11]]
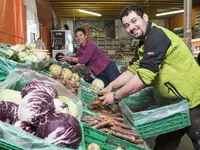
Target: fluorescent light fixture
[[170, 12], [89, 12]]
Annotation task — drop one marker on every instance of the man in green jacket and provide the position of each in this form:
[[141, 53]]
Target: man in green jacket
[[163, 61]]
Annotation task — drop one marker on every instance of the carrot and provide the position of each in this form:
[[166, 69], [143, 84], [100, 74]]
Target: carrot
[[112, 115], [104, 117], [117, 114], [96, 102], [118, 119], [92, 107], [105, 111], [123, 136], [90, 118], [94, 122], [101, 124], [122, 125], [104, 129], [113, 110], [139, 141], [125, 131]]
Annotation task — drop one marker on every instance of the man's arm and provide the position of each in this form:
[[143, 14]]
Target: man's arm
[[132, 86], [122, 79]]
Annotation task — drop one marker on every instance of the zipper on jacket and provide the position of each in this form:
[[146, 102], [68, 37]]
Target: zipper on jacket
[[173, 89]]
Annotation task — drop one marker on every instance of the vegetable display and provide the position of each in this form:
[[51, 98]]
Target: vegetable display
[[73, 87], [8, 112], [112, 122], [40, 85], [66, 106], [66, 77], [41, 112], [25, 54], [97, 85], [34, 106], [66, 74], [60, 129], [115, 127], [93, 146], [26, 126], [55, 69]]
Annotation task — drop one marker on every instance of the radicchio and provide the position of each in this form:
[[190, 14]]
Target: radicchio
[[61, 129], [40, 85], [26, 127], [34, 106], [8, 112]]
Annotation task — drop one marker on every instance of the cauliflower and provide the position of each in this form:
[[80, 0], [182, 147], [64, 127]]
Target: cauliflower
[[75, 77], [31, 58], [22, 55], [55, 69], [97, 83], [66, 74]]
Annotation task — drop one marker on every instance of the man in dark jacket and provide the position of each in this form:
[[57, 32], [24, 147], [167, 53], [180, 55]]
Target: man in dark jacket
[[163, 61]]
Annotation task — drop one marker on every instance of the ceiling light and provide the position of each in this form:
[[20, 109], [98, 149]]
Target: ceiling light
[[170, 12], [89, 12]]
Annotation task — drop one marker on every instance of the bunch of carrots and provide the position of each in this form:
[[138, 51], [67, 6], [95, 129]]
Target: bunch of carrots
[[112, 122]]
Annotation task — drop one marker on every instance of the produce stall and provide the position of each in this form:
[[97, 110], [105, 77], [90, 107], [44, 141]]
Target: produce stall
[[74, 94]]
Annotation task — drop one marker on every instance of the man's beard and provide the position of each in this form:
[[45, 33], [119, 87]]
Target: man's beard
[[135, 36]]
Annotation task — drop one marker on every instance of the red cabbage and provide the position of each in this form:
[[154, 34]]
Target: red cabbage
[[61, 129], [8, 112], [40, 85], [26, 127], [34, 106]]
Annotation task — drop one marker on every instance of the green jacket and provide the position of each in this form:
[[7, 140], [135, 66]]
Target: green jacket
[[163, 61]]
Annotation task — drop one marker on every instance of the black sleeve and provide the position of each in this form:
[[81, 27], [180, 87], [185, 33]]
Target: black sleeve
[[155, 48]]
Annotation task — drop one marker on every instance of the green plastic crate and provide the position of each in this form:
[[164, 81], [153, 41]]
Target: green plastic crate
[[84, 84], [5, 145], [7, 65], [145, 123], [148, 125], [10, 64], [34, 143], [169, 124], [106, 141], [86, 95], [144, 97]]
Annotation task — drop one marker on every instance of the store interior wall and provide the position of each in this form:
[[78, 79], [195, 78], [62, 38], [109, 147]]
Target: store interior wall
[[13, 22], [45, 17], [120, 32], [177, 21]]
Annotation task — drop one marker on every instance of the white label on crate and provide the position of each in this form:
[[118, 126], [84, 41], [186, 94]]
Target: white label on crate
[[54, 52]]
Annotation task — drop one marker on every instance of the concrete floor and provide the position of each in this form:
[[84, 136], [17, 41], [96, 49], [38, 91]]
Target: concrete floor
[[185, 144]]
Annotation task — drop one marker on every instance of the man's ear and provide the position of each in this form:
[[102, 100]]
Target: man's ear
[[145, 17]]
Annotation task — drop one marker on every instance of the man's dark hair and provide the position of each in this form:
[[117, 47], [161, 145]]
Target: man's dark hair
[[80, 29], [127, 9]]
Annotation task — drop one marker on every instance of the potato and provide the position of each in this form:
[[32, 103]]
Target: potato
[[93, 146]]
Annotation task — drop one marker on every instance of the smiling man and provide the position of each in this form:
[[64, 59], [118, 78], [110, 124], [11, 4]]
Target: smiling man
[[162, 60]]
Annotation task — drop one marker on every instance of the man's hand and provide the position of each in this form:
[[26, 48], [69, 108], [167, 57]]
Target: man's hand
[[107, 99], [106, 90]]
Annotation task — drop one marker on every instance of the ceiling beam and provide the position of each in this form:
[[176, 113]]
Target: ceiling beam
[[114, 1]]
